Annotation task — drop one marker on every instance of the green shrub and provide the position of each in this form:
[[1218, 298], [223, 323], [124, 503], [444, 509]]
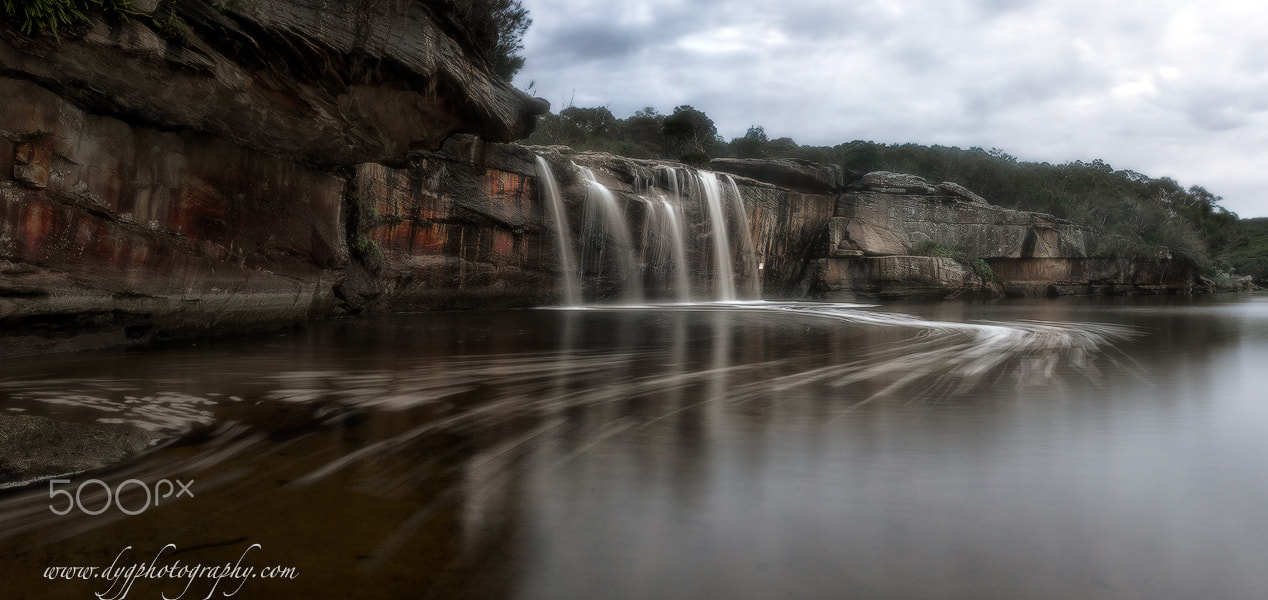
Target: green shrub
[[961, 255], [49, 15], [932, 248], [695, 158], [363, 246], [983, 269]]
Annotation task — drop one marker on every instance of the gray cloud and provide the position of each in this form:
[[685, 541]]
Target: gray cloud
[[1164, 87], [586, 43]]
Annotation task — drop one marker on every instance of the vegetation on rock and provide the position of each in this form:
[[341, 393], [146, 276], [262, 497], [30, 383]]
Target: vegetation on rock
[[1248, 255], [496, 29], [49, 15]]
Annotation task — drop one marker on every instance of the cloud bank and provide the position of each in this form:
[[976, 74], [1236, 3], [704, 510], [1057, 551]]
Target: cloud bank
[[1164, 87]]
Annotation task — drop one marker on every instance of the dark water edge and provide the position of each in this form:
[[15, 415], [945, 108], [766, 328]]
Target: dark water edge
[[1094, 448]]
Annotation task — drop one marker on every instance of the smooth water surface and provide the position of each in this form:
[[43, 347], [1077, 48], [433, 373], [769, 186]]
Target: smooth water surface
[[1075, 448]]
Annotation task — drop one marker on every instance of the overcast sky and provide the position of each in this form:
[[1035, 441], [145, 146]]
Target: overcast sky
[[1165, 87]]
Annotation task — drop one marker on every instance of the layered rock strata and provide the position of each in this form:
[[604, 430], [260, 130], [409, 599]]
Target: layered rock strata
[[188, 169], [895, 235]]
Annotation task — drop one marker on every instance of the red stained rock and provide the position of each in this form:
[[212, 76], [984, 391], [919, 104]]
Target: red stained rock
[[31, 165]]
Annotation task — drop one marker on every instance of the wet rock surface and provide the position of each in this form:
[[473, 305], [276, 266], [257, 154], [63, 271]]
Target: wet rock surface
[[34, 448]]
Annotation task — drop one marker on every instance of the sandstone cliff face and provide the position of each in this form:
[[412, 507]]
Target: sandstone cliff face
[[462, 227], [188, 169], [893, 235]]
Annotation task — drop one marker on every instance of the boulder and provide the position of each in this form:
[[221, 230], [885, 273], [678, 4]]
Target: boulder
[[797, 175], [960, 192], [865, 237], [888, 182]]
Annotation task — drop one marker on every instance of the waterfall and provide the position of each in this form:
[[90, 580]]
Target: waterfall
[[682, 280], [724, 274], [567, 262], [673, 228], [675, 218], [749, 267], [671, 175], [631, 275]]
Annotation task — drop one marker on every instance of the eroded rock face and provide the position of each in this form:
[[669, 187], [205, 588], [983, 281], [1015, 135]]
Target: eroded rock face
[[449, 232], [880, 224], [327, 83], [904, 277], [1067, 276], [137, 231], [894, 235], [189, 169]]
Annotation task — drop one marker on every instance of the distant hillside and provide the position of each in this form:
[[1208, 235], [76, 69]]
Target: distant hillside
[[1141, 215]]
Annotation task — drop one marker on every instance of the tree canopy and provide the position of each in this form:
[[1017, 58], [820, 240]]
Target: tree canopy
[[496, 29]]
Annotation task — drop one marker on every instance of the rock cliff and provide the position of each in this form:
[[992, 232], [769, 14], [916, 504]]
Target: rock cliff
[[896, 235], [187, 169]]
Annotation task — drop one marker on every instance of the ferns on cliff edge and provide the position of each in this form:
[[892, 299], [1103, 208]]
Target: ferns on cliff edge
[[48, 15]]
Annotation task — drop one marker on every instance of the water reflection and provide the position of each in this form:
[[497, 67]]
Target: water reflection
[[1049, 450]]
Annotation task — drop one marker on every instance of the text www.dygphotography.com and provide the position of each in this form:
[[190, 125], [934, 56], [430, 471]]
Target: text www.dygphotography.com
[[119, 577]]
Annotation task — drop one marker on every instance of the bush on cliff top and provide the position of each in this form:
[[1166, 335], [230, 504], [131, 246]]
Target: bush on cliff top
[[496, 29], [49, 15]]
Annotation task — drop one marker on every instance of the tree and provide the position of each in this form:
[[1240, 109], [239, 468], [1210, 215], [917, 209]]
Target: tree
[[689, 132], [783, 147], [643, 132], [496, 29], [752, 145], [595, 122]]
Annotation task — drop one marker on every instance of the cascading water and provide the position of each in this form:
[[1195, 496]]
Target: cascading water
[[682, 281], [619, 231], [749, 267], [665, 243], [674, 220], [671, 175], [724, 274], [567, 262]]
